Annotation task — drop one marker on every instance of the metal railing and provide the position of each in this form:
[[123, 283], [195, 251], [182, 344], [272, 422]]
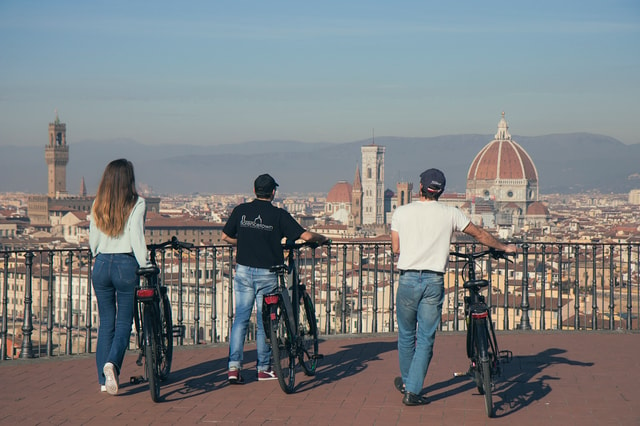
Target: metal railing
[[48, 307]]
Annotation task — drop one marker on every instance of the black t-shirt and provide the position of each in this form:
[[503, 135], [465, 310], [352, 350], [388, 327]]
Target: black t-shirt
[[259, 227]]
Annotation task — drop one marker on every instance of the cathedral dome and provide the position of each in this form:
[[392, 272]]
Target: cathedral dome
[[537, 209], [502, 159], [340, 193]]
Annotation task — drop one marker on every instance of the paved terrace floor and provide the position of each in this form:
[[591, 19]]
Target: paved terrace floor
[[555, 378]]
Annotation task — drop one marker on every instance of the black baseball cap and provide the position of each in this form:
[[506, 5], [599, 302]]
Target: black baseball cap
[[264, 184], [433, 180]]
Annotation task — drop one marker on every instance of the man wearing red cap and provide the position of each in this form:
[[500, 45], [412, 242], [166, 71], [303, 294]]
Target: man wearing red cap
[[421, 236]]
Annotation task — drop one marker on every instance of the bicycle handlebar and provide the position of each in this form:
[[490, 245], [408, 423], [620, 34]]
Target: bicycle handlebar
[[496, 254], [291, 244], [173, 242]]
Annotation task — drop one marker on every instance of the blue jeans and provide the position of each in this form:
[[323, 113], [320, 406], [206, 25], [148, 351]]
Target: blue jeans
[[419, 306], [114, 281], [250, 286]]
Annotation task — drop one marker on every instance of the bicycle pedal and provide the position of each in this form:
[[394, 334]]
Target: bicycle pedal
[[179, 330], [136, 380], [505, 356]]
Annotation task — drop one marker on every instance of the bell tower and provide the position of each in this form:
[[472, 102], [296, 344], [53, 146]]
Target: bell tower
[[57, 157]]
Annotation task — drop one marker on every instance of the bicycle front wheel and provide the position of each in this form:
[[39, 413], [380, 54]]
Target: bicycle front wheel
[[151, 351], [166, 341], [308, 335], [284, 362]]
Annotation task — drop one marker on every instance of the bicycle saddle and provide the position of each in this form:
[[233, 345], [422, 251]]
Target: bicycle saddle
[[476, 284], [148, 270]]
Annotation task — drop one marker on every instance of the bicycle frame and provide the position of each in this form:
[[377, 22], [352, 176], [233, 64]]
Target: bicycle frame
[[282, 295]]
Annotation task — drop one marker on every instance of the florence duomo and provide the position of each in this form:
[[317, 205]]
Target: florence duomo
[[501, 191]]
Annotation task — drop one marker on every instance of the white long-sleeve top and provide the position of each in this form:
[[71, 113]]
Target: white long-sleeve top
[[130, 241]]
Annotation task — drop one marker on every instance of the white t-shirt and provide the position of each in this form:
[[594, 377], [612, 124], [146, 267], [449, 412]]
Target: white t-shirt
[[424, 229]]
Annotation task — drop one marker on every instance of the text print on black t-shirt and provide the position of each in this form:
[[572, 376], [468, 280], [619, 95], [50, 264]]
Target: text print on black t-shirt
[[256, 224]]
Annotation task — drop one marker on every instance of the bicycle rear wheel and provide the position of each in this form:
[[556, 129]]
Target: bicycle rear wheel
[[166, 341], [284, 362], [483, 364], [151, 351], [485, 370], [308, 334]]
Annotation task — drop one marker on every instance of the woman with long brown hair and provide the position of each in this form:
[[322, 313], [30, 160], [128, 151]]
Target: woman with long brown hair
[[116, 237]]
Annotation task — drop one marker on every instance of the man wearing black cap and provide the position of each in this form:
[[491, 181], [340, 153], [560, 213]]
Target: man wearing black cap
[[257, 228], [421, 234]]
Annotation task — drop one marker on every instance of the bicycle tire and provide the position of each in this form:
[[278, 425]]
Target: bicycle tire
[[308, 336], [151, 351], [485, 369], [473, 352], [284, 362], [166, 348], [483, 364]]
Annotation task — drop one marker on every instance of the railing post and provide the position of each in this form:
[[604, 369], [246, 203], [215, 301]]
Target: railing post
[[196, 307], [560, 306], [392, 292], [5, 306], [594, 291], [180, 304], [327, 324], [543, 301], [524, 304], [629, 305], [343, 297], [50, 307], [27, 325], [611, 287], [69, 345], [374, 324], [576, 287], [505, 302], [230, 296], [456, 298], [89, 321], [360, 285], [214, 297]]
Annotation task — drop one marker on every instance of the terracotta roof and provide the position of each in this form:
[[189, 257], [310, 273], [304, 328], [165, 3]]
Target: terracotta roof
[[340, 193]]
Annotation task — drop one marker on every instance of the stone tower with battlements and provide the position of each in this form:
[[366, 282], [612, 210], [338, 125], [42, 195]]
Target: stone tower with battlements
[[57, 157]]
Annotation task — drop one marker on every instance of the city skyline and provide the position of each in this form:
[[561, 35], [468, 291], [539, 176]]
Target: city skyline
[[206, 73]]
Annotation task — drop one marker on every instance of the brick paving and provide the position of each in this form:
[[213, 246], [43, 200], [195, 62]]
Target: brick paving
[[555, 378]]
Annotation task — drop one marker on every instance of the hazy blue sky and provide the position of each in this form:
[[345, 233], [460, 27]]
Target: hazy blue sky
[[213, 72]]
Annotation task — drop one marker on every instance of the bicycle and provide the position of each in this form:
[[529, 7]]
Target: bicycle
[[482, 345], [153, 322], [291, 328]]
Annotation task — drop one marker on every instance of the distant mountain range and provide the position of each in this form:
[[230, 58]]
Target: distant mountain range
[[566, 163]]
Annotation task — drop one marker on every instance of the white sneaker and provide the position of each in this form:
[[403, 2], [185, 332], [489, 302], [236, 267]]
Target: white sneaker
[[111, 378], [103, 388]]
